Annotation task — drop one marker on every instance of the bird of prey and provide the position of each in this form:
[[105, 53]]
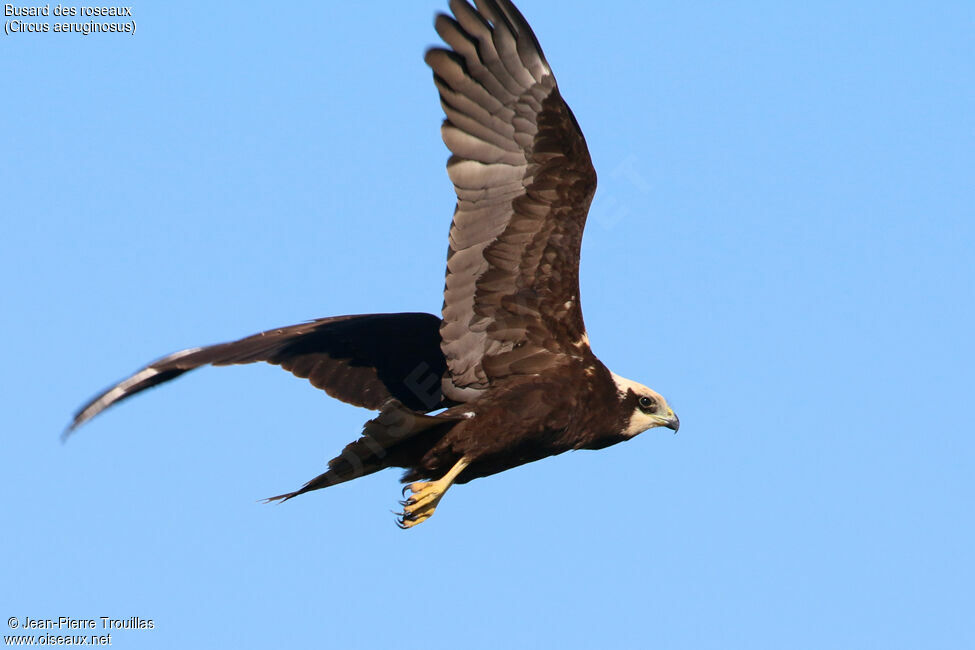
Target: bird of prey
[[505, 376]]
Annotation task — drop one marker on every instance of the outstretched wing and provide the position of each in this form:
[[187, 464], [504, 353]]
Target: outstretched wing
[[524, 182], [363, 360]]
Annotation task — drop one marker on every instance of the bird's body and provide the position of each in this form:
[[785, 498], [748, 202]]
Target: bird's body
[[524, 420], [506, 375]]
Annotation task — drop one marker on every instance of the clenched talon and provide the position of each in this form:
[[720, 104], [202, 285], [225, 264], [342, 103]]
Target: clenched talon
[[426, 495]]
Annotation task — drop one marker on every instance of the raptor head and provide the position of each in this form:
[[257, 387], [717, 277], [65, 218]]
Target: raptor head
[[643, 408]]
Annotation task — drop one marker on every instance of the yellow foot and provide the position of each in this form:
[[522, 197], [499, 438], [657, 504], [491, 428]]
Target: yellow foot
[[425, 495], [421, 504]]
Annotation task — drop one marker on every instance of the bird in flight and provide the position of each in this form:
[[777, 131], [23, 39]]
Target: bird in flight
[[505, 376]]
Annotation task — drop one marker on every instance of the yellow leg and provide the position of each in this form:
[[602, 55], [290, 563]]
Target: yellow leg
[[426, 495]]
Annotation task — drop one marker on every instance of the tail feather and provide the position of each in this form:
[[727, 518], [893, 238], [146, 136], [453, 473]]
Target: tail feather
[[382, 437]]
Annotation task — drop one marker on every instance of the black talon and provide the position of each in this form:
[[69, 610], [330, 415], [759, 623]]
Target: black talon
[[405, 488]]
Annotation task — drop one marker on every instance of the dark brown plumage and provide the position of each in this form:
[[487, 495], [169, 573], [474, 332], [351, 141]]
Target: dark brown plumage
[[510, 361], [362, 360]]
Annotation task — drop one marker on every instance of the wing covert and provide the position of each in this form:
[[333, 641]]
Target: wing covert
[[524, 181], [364, 360]]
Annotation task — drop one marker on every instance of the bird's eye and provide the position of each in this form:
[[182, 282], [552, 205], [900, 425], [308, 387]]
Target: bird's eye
[[647, 404]]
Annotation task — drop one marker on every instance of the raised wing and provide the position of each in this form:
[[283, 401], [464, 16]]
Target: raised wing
[[363, 360], [524, 182]]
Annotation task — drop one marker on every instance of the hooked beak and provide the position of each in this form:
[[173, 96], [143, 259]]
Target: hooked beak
[[672, 421]]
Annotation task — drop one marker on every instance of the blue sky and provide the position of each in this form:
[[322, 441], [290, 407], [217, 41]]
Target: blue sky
[[781, 244]]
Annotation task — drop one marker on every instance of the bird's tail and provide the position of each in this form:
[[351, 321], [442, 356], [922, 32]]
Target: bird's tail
[[384, 443]]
